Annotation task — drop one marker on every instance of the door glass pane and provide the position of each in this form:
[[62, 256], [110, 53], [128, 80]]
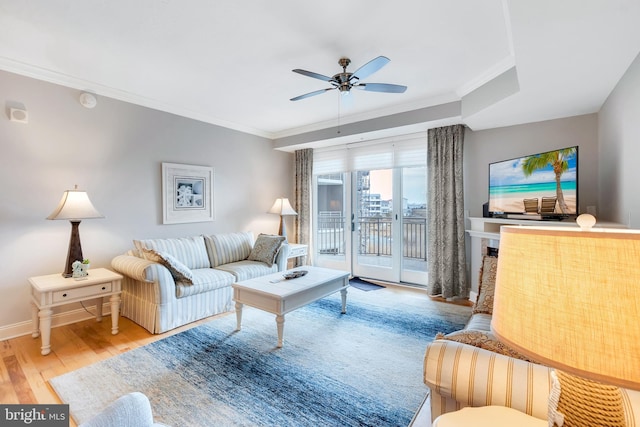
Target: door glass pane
[[373, 217], [330, 230], [414, 218]]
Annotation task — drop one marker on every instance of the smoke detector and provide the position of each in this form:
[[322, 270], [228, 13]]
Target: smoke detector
[[88, 100]]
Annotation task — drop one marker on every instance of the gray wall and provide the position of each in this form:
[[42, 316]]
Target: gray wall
[[619, 136], [114, 152], [487, 146]]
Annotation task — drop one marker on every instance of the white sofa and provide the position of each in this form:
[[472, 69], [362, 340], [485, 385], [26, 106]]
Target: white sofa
[[471, 368], [171, 282]]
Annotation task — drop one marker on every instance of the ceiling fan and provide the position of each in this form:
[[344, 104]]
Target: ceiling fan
[[345, 81]]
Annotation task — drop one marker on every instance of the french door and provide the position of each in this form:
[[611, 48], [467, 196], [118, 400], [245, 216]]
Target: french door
[[373, 223]]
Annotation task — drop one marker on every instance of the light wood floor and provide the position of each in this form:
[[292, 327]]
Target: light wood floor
[[24, 372]]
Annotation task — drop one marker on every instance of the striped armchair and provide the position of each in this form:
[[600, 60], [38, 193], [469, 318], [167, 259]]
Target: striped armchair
[[460, 375], [471, 368], [171, 282]]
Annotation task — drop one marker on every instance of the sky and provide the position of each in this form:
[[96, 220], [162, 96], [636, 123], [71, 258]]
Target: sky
[[509, 172], [414, 185]]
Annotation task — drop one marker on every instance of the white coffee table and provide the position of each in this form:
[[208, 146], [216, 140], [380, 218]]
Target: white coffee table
[[273, 294]]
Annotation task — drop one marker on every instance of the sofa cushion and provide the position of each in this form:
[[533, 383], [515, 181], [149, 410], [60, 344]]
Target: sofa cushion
[[479, 322], [266, 248], [179, 271], [204, 280], [487, 285], [190, 251], [228, 247], [482, 339], [245, 270]]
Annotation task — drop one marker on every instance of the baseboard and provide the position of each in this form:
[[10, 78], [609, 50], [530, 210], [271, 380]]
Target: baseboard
[[59, 319]]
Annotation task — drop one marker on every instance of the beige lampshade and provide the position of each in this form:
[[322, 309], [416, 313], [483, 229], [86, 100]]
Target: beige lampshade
[[75, 205], [282, 207], [570, 299]]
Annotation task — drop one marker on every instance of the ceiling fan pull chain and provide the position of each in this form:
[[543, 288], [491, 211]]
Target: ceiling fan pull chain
[[339, 106]]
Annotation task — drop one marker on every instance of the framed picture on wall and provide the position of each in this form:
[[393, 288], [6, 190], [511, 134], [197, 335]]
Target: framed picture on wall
[[187, 193]]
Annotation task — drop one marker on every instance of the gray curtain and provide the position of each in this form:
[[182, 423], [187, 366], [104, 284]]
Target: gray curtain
[[445, 213], [302, 202]]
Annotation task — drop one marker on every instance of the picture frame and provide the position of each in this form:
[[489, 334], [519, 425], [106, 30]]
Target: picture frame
[[187, 193]]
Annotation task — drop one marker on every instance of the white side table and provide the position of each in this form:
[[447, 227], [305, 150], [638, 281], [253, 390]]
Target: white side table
[[493, 416], [297, 250], [54, 290]]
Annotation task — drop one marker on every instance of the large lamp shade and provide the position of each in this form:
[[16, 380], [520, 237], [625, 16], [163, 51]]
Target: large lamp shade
[[283, 208], [74, 206], [570, 298]]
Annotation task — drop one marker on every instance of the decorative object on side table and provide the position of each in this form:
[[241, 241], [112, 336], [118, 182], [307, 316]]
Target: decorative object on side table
[[79, 272], [74, 206], [568, 298], [283, 208]]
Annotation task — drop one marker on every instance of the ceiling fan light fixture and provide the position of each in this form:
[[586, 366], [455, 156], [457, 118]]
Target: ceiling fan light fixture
[[345, 81]]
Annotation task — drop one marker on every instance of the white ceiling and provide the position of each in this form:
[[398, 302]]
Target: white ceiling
[[229, 62]]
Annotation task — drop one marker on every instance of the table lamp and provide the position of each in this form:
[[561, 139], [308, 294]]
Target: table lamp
[[569, 298], [74, 206], [282, 207]]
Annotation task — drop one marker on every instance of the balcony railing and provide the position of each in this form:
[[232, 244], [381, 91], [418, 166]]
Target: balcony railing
[[330, 233], [375, 235]]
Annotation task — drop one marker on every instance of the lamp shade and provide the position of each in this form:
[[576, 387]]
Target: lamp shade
[[75, 205], [282, 207], [570, 299]]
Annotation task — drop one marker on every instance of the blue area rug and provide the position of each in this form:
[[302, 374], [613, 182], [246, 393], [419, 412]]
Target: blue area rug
[[363, 368]]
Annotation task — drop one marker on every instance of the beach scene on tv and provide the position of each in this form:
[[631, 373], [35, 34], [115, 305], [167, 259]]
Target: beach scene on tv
[[544, 183]]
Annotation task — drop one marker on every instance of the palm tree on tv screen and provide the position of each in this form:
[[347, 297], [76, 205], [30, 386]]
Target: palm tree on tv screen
[[559, 160]]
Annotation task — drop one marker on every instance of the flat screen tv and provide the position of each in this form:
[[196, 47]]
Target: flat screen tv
[[543, 185]]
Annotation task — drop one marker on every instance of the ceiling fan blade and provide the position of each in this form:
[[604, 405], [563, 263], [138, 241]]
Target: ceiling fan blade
[[312, 74], [381, 87], [314, 93], [370, 67]]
